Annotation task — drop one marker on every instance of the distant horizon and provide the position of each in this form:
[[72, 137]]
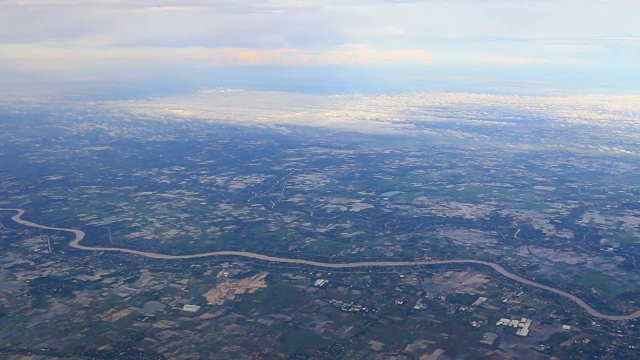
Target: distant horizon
[[144, 48]]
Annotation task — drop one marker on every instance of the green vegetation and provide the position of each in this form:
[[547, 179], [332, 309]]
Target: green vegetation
[[559, 337], [198, 187], [298, 341]]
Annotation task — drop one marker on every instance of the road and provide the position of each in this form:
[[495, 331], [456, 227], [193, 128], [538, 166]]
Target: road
[[79, 235]]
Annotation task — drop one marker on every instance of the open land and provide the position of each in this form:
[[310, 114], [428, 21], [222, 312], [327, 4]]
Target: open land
[[79, 235], [192, 239]]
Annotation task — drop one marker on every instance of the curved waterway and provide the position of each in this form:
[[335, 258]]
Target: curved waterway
[[79, 235]]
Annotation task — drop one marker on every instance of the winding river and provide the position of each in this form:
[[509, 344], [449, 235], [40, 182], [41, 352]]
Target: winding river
[[79, 235]]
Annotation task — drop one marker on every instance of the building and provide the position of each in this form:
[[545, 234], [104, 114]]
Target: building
[[191, 308], [488, 338]]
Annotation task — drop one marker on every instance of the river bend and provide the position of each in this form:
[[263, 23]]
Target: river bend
[[79, 235]]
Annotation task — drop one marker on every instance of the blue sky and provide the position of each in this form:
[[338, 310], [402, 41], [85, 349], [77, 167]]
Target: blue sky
[[587, 46]]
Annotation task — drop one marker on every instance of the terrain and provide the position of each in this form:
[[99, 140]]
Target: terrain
[[184, 238]]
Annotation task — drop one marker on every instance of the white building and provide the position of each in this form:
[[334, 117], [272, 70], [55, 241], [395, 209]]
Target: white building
[[191, 308]]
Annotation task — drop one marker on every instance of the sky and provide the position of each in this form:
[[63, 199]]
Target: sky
[[322, 46]]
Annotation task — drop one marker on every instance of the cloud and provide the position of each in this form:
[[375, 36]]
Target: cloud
[[621, 40], [512, 60], [447, 115], [115, 36], [520, 61], [238, 23], [353, 55], [366, 55], [47, 58], [612, 123]]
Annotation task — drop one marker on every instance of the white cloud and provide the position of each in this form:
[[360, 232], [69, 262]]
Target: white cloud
[[120, 34], [408, 114], [73, 59], [227, 23]]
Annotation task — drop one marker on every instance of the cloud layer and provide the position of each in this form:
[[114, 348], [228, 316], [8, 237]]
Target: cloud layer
[[466, 36], [444, 115]]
